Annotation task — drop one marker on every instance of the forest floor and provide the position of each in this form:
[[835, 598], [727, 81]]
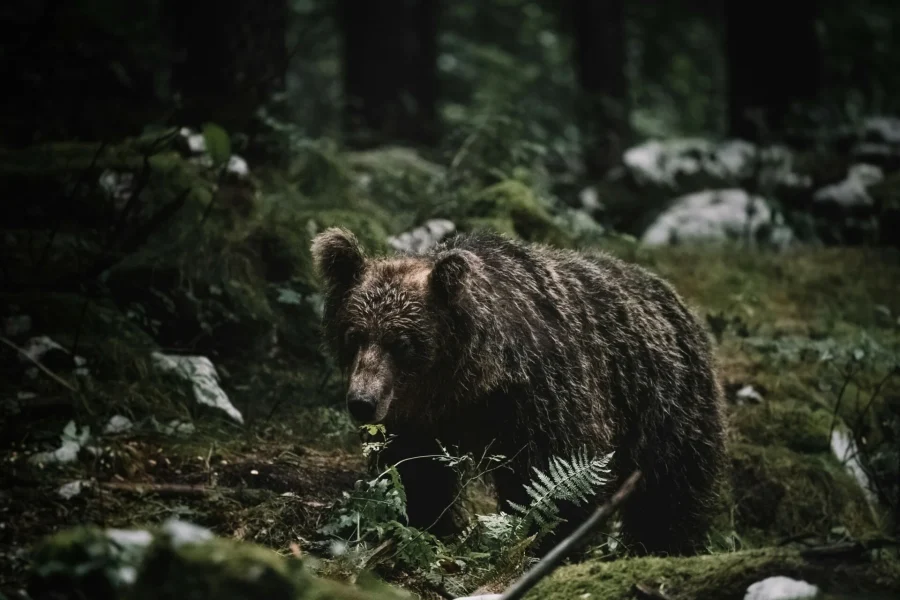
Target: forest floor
[[808, 342], [784, 323]]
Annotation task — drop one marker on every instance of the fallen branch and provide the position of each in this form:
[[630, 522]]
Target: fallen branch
[[183, 489], [162, 489], [847, 551], [556, 556], [39, 364]]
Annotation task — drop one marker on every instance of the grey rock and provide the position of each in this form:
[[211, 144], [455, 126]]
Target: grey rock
[[879, 141], [781, 588], [424, 237], [718, 216], [669, 163], [851, 193]]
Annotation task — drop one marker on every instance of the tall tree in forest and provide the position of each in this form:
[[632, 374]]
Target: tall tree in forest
[[79, 69], [774, 60], [390, 71], [231, 56], [599, 28]]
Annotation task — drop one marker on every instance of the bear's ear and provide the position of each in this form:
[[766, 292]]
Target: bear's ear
[[337, 256], [450, 272]]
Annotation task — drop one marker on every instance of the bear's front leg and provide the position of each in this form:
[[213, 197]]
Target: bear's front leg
[[431, 486]]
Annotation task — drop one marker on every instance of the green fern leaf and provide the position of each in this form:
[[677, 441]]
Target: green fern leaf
[[573, 480]]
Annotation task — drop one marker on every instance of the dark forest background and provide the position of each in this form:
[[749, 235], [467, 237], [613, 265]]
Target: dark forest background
[[413, 72]]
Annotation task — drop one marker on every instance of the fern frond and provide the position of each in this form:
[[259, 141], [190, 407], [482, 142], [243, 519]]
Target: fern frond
[[574, 480]]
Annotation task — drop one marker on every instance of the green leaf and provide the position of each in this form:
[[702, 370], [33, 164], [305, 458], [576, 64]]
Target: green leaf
[[218, 144]]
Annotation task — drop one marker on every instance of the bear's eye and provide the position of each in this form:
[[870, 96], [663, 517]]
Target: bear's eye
[[402, 347], [354, 338]]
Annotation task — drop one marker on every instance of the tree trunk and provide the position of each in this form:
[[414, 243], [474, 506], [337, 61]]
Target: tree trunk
[[390, 72], [232, 58], [72, 75], [774, 60], [599, 27]]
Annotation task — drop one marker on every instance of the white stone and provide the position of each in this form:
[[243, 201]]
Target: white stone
[[781, 588], [72, 441], [716, 215], [37, 347], [200, 371], [422, 238], [72, 489], [882, 128], [238, 166], [196, 141], [130, 537], [182, 532], [117, 185], [662, 163], [845, 450], [118, 424], [853, 190], [748, 394]]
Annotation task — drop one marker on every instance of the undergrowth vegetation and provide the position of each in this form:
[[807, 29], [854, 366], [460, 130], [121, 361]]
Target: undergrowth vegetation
[[367, 526], [171, 255]]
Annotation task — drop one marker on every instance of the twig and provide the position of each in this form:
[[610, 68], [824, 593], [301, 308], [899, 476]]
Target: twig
[[183, 489], [163, 489], [378, 554], [840, 398], [861, 414], [555, 556], [84, 307], [38, 364], [847, 550], [143, 179], [45, 253]]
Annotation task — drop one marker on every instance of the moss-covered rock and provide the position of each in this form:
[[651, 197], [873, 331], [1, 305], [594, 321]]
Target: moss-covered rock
[[87, 559], [512, 208], [778, 494], [177, 560], [718, 576], [787, 424]]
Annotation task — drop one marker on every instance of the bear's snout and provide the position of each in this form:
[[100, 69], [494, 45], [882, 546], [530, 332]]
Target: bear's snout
[[361, 406], [371, 386]]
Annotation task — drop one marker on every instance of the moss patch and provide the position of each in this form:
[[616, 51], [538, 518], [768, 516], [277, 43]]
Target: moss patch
[[713, 576], [789, 424], [180, 561], [779, 494], [511, 207]]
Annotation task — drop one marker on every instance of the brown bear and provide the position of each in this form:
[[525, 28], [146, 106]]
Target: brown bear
[[535, 352]]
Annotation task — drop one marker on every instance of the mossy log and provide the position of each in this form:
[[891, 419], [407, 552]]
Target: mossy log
[[178, 560], [724, 576]]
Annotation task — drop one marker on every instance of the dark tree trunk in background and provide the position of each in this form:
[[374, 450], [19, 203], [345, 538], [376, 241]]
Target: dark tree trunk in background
[[774, 60], [231, 58], [599, 27], [72, 75], [390, 71]]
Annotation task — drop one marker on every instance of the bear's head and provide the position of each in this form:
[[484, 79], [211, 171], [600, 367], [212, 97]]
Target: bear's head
[[388, 321]]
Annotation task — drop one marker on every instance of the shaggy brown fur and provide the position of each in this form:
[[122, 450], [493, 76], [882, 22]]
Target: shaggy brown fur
[[535, 352]]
